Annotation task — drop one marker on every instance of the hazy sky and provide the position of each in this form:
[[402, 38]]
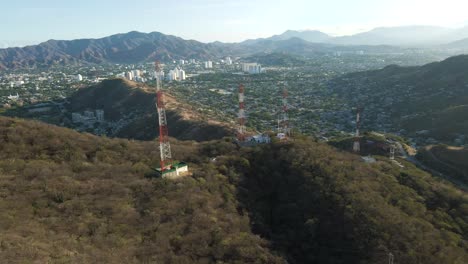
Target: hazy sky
[[33, 21]]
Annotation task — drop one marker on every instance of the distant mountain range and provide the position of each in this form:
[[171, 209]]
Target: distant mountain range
[[308, 35], [458, 45], [396, 36], [135, 47], [120, 48]]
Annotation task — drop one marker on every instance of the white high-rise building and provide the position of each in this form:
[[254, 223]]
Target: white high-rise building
[[208, 64], [228, 61], [182, 75], [181, 62], [129, 76], [176, 75], [252, 68], [171, 76], [79, 77]]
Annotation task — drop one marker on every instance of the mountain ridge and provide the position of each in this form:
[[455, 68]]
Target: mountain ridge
[[138, 47]]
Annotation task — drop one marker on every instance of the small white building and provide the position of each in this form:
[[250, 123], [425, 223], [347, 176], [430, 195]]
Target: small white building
[[175, 171], [100, 115], [13, 97], [281, 136], [368, 159], [260, 139]]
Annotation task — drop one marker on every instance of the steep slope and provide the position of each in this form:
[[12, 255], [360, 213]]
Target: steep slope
[[318, 205], [447, 159], [427, 101], [68, 197]]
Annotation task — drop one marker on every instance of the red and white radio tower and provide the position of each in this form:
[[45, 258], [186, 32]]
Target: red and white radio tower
[[241, 115], [164, 145], [357, 144]]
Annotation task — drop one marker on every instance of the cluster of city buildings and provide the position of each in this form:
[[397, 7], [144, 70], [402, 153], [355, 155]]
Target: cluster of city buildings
[[134, 75], [176, 74], [226, 61], [182, 62]]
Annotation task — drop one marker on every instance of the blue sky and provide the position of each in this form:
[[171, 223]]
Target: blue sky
[[32, 21]]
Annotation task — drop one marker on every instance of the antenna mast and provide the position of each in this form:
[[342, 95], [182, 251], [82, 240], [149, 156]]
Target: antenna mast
[[241, 115], [357, 144], [285, 121], [392, 151], [164, 145], [390, 258]]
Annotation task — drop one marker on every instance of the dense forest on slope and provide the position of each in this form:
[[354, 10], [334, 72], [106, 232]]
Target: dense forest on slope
[[71, 197]]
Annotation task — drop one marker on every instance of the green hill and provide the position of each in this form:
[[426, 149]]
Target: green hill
[[130, 112], [68, 197], [447, 159], [429, 101], [77, 198]]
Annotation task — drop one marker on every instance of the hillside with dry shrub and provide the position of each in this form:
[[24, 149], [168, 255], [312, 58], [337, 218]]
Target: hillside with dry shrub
[[69, 197]]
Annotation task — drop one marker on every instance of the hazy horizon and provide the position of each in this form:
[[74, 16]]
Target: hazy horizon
[[209, 20]]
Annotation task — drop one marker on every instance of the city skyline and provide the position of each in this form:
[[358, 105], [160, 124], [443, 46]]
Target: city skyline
[[209, 20]]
